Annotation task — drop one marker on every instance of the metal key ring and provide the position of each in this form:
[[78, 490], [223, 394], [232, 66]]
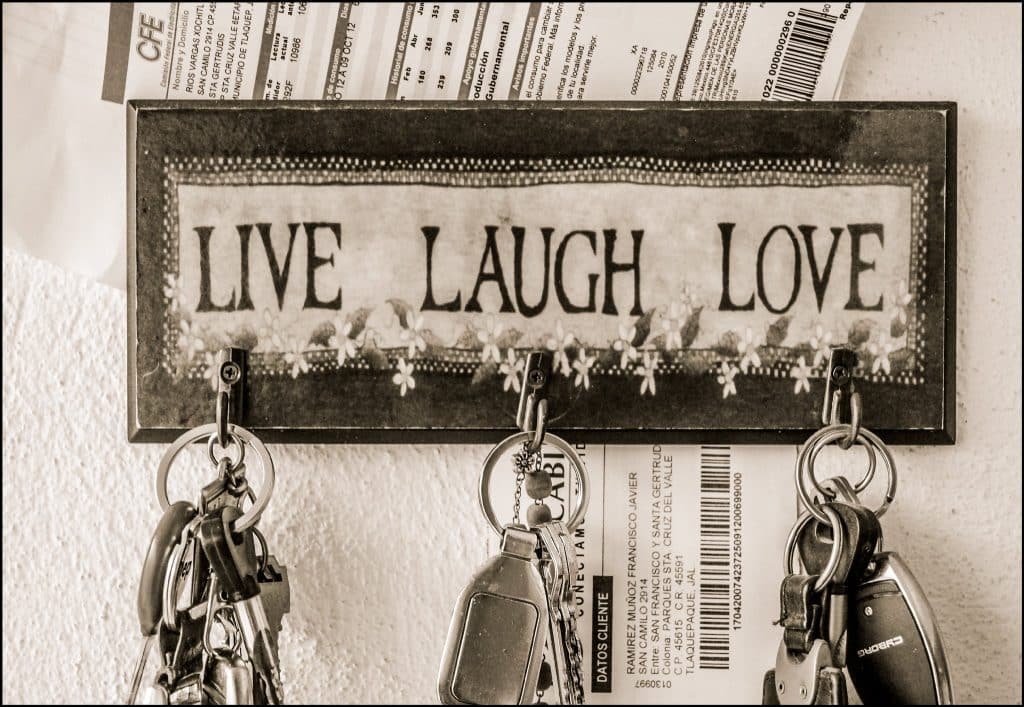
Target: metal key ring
[[838, 546], [231, 440], [506, 444], [817, 442], [251, 516]]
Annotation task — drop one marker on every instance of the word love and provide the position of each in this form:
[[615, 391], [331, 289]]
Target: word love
[[782, 239]]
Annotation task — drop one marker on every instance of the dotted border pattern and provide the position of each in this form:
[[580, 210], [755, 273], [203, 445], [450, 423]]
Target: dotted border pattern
[[499, 172]]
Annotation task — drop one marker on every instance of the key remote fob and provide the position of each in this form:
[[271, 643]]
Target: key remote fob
[[894, 651]]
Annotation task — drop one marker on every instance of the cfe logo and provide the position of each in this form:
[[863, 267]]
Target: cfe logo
[[881, 646]]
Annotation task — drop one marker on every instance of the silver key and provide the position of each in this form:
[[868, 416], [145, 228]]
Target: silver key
[[496, 638], [559, 566], [275, 591]]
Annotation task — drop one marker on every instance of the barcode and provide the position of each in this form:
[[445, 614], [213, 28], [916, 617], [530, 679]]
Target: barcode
[[805, 52], [715, 547]]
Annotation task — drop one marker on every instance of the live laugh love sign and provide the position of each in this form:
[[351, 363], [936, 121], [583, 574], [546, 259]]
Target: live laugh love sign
[[390, 266]]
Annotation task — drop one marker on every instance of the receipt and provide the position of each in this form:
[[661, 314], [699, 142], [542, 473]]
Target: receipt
[[66, 145], [679, 567], [479, 51]]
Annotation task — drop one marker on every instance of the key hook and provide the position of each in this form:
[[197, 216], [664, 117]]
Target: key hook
[[842, 401], [533, 398], [232, 365]]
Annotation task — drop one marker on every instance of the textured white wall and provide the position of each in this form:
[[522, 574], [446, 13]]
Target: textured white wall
[[380, 539]]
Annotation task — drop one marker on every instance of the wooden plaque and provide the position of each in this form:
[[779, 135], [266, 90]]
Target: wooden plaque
[[390, 265]]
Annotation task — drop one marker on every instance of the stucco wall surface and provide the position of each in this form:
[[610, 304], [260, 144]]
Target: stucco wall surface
[[380, 539]]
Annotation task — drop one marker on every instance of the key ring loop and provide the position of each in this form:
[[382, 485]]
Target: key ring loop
[[243, 436], [818, 441], [814, 441], [222, 411], [838, 545], [540, 417], [484, 494], [232, 441], [856, 415]]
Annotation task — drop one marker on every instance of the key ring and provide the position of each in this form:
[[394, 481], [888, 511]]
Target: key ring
[[232, 441], [508, 443], [838, 545], [252, 515], [814, 441], [818, 441]]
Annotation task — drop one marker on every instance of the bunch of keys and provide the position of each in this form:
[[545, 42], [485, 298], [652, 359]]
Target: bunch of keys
[[520, 602], [853, 606], [212, 605]]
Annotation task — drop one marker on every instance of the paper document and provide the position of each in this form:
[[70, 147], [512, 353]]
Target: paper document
[[680, 564], [479, 51], [66, 146]]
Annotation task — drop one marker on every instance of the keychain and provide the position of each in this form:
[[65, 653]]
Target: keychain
[[519, 605], [852, 606], [213, 605]]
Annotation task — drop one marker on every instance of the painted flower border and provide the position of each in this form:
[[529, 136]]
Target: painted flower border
[[658, 343]]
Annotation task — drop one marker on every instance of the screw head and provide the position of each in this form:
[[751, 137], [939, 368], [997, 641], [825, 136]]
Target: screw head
[[536, 377], [841, 375], [868, 611], [230, 372]]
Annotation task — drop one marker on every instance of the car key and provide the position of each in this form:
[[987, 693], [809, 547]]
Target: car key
[[232, 557], [896, 654], [896, 650], [862, 536], [496, 638]]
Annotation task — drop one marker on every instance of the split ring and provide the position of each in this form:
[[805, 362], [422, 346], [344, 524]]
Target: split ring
[[508, 443], [244, 436], [817, 442], [838, 545], [235, 464]]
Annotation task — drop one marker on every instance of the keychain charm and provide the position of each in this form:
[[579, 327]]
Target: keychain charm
[[513, 632]]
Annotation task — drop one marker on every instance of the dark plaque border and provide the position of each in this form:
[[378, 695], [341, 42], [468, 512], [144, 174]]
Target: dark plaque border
[[313, 408]]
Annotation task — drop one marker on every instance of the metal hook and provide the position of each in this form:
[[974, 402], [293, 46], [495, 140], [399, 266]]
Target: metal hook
[[533, 404], [232, 364], [842, 401]]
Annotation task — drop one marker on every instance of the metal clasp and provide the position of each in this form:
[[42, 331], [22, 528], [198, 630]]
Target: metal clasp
[[533, 398], [232, 365]]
